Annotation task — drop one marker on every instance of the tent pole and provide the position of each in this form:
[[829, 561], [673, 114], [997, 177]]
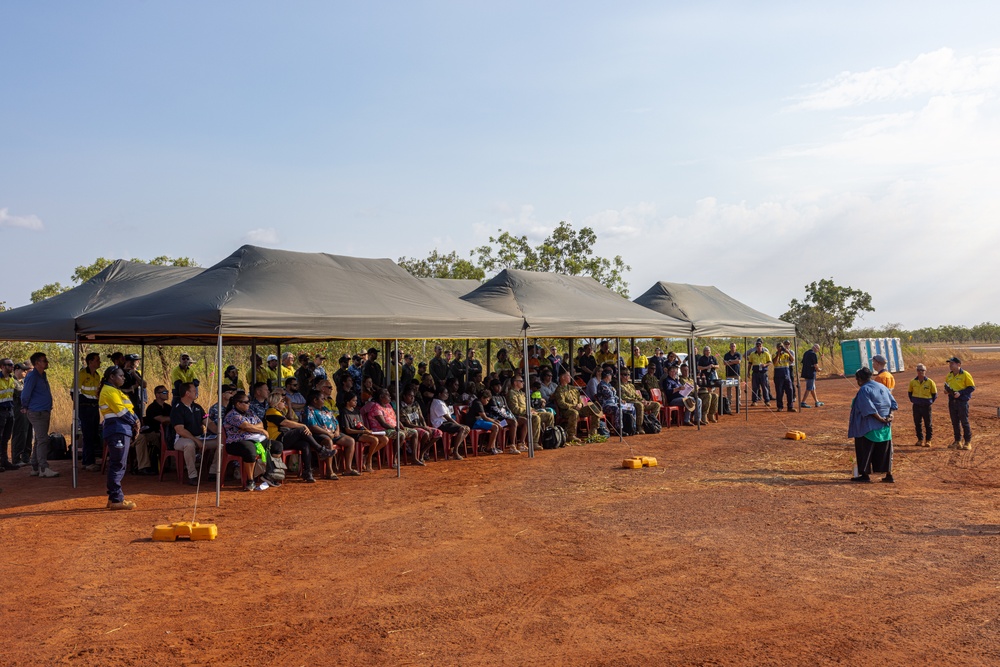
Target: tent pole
[[527, 401], [632, 376], [746, 368], [253, 363], [280, 380], [798, 384], [399, 464], [219, 472], [618, 369], [142, 381], [693, 372], [76, 402]]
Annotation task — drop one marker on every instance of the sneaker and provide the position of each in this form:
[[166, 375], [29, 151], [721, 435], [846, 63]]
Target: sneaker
[[93, 467], [888, 479], [791, 409], [22, 464], [863, 479], [250, 486], [308, 478], [34, 472], [262, 486], [819, 403], [49, 472], [192, 481], [123, 505], [803, 404]]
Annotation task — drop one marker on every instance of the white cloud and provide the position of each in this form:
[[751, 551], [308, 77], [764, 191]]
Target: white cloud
[[32, 222], [262, 236], [939, 72]]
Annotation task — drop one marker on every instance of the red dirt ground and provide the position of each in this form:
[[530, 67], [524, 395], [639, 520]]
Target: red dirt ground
[[742, 548]]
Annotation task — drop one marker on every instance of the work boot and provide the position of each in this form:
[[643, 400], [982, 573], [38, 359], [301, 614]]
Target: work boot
[[955, 445], [123, 505], [967, 445], [927, 444], [919, 443]]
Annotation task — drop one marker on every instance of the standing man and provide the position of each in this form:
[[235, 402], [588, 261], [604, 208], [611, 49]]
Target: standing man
[[783, 361], [319, 359], [459, 370], [810, 366], [408, 371], [731, 360], [759, 359], [36, 399], [556, 360], [922, 393], [373, 370], [20, 447], [439, 368], [871, 427], [181, 374], [287, 368], [7, 386], [881, 375], [90, 416], [338, 375], [472, 365], [960, 386]]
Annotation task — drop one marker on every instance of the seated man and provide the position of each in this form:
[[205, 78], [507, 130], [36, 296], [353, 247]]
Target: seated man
[[608, 399], [604, 355], [188, 420], [148, 440], [295, 399], [570, 407], [518, 404], [642, 407], [704, 400], [258, 400], [547, 385], [675, 391]]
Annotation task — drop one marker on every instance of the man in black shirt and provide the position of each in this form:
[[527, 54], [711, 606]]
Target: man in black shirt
[[458, 368], [147, 443], [810, 364], [373, 370], [731, 360], [439, 368], [188, 421]]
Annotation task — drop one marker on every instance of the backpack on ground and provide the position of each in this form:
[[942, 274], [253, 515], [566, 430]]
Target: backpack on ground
[[724, 407], [58, 450], [553, 437], [650, 424], [628, 424], [276, 469]]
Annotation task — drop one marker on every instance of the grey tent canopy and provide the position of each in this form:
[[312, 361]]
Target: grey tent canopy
[[711, 312], [260, 293], [561, 306], [54, 319], [455, 286]]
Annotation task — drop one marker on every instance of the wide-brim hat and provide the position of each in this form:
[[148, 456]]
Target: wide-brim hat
[[690, 404]]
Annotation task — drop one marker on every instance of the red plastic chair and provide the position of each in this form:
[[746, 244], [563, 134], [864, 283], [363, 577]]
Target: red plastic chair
[[165, 454]]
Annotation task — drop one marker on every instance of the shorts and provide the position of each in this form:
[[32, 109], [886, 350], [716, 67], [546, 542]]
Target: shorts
[[810, 384], [450, 427], [482, 425]]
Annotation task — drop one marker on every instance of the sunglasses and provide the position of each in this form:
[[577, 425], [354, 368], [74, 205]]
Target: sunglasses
[[242, 402], [163, 393]]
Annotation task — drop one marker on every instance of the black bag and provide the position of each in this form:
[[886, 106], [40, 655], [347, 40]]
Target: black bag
[[724, 407], [58, 450], [628, 424], [650, 424], [553, 437]]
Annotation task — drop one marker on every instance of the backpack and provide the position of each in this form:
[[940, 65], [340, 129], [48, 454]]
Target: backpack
[[628, 424], [724, 407], [58, 450], [650, 424], [553, 437], [276, 469]]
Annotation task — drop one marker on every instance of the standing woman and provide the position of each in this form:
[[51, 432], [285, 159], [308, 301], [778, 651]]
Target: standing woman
[[119, 427], [871, 427]]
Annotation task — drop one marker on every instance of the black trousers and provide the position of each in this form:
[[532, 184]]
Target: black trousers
[[761, 387], [873, 456], [922, 420], [959, 412], [783, 387]]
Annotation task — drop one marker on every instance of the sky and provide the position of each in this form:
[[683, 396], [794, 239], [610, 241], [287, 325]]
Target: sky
[[756, 147]]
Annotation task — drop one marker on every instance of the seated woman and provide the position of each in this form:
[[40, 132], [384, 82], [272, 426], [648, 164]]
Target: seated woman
[[411, 416], [478, 419], [607, 398], [382, 417], [325, 429], [499, 409], [472, 388], [353, 425], [247, 438], [441, 417], [367, 390], [284, 428], [454, 391]]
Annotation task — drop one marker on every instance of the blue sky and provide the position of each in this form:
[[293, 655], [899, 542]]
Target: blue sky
[[754, 146]]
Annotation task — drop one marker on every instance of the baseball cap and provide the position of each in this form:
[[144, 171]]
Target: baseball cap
[[759, 340], [230, 368], [879, 358], [23, 366], [272, 357], [955, 359], [345, 357], [132, 356], [372, 349]]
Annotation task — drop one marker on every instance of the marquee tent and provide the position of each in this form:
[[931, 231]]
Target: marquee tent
[[260, 293], [553, 305], [455, 286], [711, 312], [54, 319]]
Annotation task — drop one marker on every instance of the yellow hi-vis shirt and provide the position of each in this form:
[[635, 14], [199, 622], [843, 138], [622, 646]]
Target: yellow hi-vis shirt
[[783, 360], [7, 386], [755, 358], [287, 372], [181, 375], [90, 383], [926, 389], [114, 403], [959, 381]]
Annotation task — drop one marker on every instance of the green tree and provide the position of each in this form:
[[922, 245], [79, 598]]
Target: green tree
[[84, 273], [565, 250], [437, 265], [827, 313]]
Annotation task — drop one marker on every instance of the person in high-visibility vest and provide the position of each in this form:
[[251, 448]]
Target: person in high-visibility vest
[[119, 428]]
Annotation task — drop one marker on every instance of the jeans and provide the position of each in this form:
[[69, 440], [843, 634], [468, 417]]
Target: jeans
[[6, 430], [40, 452]]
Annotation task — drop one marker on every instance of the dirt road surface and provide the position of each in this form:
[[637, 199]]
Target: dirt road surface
[[742, 548]]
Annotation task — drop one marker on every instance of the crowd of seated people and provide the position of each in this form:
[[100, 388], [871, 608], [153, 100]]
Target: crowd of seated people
[[343, 421]]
